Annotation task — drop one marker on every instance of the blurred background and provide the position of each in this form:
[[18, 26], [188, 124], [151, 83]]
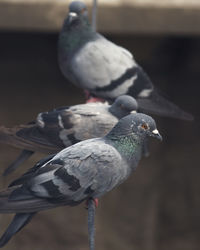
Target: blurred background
[[158, 207]]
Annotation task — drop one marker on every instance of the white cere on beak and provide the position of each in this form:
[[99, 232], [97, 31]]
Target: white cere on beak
[[155, 132], [133, 112], [72, 14]]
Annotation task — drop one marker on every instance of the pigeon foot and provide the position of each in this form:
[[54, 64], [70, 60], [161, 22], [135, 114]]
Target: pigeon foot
[[90, 98], [95, 200]]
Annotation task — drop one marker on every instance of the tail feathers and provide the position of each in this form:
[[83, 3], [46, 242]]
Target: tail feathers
[[27, 137], [25, 154], [25, 177], [158, 105], [19, 221], [26, 203]]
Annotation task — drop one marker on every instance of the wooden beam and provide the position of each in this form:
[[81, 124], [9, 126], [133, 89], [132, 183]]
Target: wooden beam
[[114, 16]]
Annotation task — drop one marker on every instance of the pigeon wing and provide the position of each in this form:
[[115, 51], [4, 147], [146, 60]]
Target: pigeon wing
[[106, 67], [77, 172], [26, 137], [159, 105], [70, 125]]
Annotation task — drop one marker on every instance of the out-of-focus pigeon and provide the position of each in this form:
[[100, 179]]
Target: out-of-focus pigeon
[[62, 127], [106, 70], [86, 170]]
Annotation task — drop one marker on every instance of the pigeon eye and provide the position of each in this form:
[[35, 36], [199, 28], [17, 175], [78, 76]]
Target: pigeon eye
[[144, 126], [83, 10]]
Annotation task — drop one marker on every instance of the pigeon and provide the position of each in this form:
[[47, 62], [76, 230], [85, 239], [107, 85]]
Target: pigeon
[[104, 69], [85, 170], [62, 127]]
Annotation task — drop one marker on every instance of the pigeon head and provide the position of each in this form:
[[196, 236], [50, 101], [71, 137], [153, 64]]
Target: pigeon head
[[138, 126], [78, 7], [123, 105], [77, 13], [75, 32]]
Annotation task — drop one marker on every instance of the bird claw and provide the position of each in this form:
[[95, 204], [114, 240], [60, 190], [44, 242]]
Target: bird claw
[[91, 98], [95, 200], [94, 99]]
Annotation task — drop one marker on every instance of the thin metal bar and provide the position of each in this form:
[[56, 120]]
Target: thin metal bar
[[91, 223], [94, 15]]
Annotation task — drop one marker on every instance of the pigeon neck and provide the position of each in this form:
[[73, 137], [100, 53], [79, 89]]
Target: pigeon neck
[[73, 38], [82, 25], [129, 146]]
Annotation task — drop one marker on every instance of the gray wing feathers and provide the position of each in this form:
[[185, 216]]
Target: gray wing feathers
[[73, 175], [22, 206], [87, 169], [26, 137], [87, 121], [97, 55], [18, 222], [96, 126], [99, 166], [25, 154]]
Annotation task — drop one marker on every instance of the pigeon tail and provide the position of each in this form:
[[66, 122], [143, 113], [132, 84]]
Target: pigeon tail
[[26, 137], [25, 154], [28, 205], [158, 105], [18, 199], [19, 221]]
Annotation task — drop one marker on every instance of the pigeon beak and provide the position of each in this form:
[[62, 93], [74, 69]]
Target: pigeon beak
[[156, 134], [72, 16], [133, 112]]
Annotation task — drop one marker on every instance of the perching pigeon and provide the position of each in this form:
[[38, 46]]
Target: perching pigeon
[[86, 170], [106, 70], [62, 127]]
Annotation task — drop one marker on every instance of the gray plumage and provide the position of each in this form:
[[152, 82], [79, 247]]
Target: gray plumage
[[86, 170], [105, 69], [62, 127]]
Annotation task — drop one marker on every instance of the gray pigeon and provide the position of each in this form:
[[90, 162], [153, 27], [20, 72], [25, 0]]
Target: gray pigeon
[[104, 69], [62, 127], [86, 170]]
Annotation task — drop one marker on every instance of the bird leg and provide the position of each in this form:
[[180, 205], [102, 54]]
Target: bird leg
[[92, 204], [90, 98], [95, 200], [95, 99]]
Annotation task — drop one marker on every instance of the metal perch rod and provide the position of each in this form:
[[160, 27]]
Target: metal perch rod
[[91, 223], [94, 15]]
